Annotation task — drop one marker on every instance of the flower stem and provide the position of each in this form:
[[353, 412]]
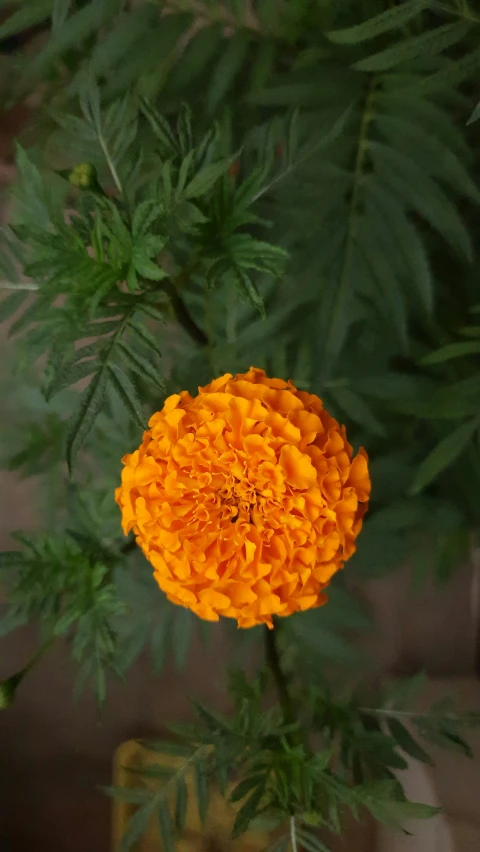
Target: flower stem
[[273, 660], [293, 834], [8, 687]]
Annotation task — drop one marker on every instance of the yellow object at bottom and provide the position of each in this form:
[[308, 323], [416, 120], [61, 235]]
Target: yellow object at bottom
[[213, 836]]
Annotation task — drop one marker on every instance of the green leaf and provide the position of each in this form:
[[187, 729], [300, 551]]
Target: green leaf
[[475, 115], [132, 795], [443, 455], [452, 75], [27, 16], [453, 350], [311, 842], [409, 182], [12, 303], [396, 16], [408, 241], [206, 177], [357, 409], [60, 11], [88, 409], [146, 337], [200, 775], [141, 365], [406, 742], [430, 42], [75, 29], [69, 375], [245, 786], [138, 825], [181, 801], [226, 70], [386, 807], [248, 811], [144, 217], [249, 289], [166, 827], [146, 267], [429, 152], [127, 393]]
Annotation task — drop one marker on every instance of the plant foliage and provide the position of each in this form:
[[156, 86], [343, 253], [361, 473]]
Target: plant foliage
[[213, 185]]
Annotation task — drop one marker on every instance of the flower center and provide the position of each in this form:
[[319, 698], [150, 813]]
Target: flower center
[[241, 498]]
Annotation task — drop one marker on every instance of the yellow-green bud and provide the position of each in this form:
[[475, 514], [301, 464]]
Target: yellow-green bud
[[84, 176]]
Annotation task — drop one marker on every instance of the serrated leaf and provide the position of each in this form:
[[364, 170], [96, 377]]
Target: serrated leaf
[[141, 365], [453, 350], [403, 737], [146, 337], [127, 393], [428, 151], [443, 455], [69, 375], [396, 16], [146, 213], [431, 42], [146, 267], [249, 290], [421, 193], [206, 177], [407, 239], [88, 409]]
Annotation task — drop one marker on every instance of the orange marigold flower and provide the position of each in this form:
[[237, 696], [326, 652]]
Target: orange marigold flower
[[245, 498]]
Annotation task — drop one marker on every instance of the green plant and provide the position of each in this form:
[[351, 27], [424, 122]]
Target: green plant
[[312, 212]]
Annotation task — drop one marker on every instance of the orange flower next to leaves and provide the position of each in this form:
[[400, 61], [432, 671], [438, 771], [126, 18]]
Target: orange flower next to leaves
[[244, 498]]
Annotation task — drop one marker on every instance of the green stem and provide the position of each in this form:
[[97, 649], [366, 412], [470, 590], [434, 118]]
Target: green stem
[[181, 311], [9, 686], [272, 657], [293, 834], [186, 320]]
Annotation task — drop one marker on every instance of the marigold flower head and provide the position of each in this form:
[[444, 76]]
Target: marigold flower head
[[245, 498]]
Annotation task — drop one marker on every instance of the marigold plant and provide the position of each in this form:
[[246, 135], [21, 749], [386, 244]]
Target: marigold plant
[[217, 184], [245, 498]]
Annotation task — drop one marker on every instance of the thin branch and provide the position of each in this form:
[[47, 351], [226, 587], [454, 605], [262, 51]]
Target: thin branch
[[20, 285], [109, 161], [181, 311], [293, 834]]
